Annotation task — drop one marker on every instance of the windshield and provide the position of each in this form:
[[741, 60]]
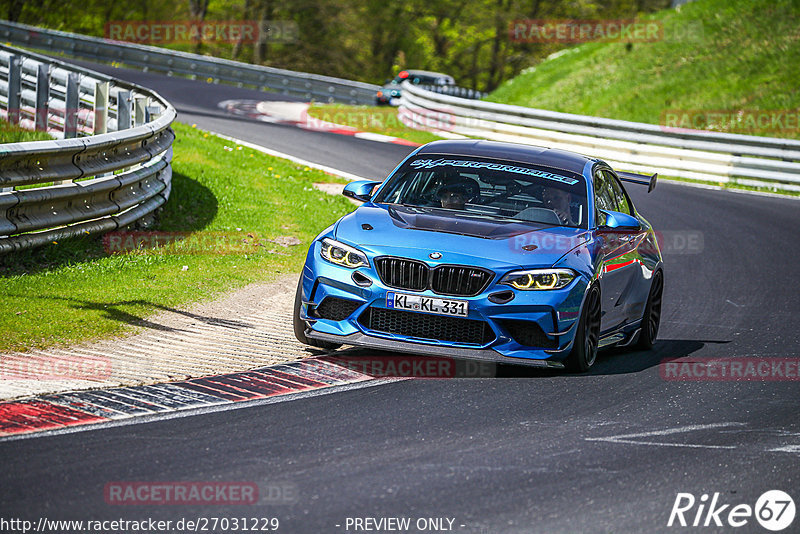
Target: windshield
[[489, 188]]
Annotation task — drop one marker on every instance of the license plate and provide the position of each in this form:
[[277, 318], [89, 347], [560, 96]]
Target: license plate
[[419, 303]]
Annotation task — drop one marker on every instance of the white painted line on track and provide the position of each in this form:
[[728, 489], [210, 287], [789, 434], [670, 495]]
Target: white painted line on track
[[735, 428], [627, 438], [299, 161], [374, 136], [788, 448]]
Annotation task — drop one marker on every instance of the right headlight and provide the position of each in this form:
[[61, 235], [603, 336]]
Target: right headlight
[[344, 255], [539, 279]]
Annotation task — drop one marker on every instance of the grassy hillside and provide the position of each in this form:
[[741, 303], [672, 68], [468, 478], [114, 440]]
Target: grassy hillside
[[716, 55]]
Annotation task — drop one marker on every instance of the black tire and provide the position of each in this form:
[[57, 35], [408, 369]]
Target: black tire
[[651, 319], [300, 325], [584, 349]]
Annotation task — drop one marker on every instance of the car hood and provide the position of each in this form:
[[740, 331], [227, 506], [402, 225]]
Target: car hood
[[418, 232]]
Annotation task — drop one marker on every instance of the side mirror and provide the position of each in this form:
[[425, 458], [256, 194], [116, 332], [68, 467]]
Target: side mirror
[[360, 190], [620, 221]]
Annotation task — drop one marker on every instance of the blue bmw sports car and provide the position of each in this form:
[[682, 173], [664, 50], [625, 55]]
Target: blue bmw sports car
[[484, 250]]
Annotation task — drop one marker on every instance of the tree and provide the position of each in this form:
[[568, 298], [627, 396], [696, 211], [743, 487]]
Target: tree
[[197, 12]]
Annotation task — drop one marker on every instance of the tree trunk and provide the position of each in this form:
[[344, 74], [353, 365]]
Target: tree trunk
[[497, 62], [197, 12], [198, 9], [15, 10], [260, 48], [237, 47]]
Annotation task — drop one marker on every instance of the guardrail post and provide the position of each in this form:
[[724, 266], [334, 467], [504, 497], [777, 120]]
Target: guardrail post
[[101, 108], [71, 107], [42, 97], [139, 106], [153, 112], [123, 110], [14, 88], [71, 104]]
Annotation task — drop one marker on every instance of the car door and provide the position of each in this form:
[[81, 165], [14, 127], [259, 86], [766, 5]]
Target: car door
[[634, 296], [620, 273]]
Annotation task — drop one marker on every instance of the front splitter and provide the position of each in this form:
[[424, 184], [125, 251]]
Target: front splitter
[[487, 355]]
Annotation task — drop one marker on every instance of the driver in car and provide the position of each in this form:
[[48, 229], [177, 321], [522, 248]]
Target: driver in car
[[453, 197], [559, 200]]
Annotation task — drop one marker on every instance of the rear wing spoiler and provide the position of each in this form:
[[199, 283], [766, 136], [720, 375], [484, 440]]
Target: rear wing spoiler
[[640, 179]]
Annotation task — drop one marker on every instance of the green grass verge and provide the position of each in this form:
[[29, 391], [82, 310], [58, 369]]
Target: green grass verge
[[14, 134], [375, 119], [732, 56], [74, 291]]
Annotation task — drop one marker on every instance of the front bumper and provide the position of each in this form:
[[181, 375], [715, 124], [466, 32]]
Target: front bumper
[[487, 355], [552, 315]]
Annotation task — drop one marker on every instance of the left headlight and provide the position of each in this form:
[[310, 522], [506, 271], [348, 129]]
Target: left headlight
[[538, 279], [342, 254]]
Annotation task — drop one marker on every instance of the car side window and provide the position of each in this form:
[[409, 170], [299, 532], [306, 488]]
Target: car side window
[[603, 197], [620, 197]]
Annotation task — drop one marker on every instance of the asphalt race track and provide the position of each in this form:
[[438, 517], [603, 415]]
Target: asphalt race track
[[529, 452]]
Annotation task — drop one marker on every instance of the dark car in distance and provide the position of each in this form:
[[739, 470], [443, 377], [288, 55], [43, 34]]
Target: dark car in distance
[[389, 94]]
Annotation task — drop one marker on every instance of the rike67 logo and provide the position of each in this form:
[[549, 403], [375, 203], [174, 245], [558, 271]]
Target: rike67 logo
[[774, 510]]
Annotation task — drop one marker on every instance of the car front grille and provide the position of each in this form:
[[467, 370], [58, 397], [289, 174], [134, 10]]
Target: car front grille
[[413, 275], [336, 309], [427, 326], [402, 273], [459, 280], [528, 334]]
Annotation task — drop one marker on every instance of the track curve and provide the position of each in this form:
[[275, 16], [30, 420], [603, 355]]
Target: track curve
[[532, 452]]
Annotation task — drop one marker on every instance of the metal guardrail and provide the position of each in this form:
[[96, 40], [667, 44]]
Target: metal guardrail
[[455, 90], [304, 85], [101, 180], [717, 157]]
